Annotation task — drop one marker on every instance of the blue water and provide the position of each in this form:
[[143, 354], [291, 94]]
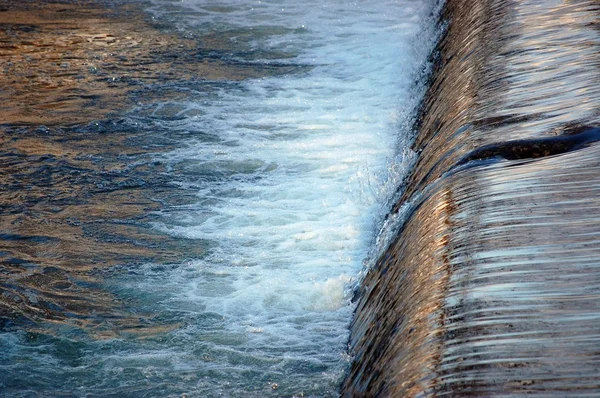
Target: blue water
[[291, 177]]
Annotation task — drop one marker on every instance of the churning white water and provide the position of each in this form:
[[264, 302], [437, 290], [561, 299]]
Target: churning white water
[[292, 177]]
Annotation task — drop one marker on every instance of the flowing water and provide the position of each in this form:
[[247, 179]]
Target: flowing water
[[193, 193], [490, 285], [206, 238]]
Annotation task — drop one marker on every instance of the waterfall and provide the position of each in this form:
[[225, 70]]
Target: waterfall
[[489, 284]]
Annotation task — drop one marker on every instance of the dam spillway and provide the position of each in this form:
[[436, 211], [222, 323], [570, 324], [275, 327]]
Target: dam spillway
[[490, 284]]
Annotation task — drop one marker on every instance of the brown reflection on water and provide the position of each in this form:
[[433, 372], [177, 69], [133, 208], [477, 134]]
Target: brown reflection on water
[[492, 286], [64, 63], [77, 184]]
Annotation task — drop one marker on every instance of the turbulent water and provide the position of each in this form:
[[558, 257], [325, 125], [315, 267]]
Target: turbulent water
[[270, 182]]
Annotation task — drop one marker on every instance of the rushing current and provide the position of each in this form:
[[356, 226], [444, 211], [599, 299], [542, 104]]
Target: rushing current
[[280, 182], [490, 286]]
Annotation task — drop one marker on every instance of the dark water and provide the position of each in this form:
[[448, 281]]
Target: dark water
[[491, 285]]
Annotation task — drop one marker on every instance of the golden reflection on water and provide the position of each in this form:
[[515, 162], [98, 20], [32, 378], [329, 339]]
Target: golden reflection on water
[[64, 63]]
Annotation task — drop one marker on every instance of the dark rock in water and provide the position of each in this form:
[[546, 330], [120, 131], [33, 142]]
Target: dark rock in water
[[491, 286]]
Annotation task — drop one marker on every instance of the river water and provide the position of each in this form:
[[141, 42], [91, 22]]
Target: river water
[[270, 184]]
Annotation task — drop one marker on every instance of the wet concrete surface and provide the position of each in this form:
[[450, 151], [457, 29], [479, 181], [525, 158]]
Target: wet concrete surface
[[491, 286]]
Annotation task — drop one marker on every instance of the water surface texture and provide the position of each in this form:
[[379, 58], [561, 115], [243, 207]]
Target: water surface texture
[[190, 190], [491, 284]]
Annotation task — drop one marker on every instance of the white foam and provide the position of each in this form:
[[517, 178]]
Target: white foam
[[304, 166]]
